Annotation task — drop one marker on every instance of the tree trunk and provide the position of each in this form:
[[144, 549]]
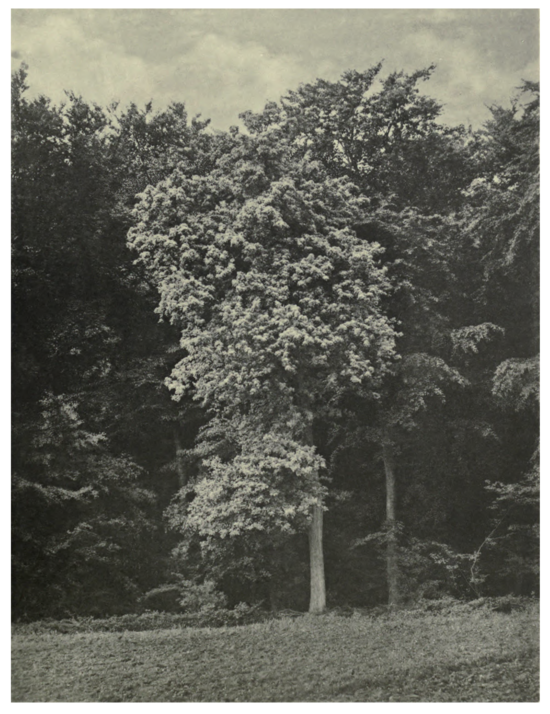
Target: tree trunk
[[317, 599], [392, 565], [317, 602], [273, 596], [180, 469]]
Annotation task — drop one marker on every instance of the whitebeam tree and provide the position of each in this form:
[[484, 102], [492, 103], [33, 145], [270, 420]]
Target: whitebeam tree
[[279, 303]]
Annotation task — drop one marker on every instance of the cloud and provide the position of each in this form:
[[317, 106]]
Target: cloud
[[62, 56], [230, 77], [470, 74], [223, 62], [438, 16], [212, 74]]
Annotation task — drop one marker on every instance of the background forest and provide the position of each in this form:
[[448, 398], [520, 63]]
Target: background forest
[[323, 324]]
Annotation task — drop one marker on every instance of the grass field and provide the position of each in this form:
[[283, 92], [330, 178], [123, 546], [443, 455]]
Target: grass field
[[459, 655]]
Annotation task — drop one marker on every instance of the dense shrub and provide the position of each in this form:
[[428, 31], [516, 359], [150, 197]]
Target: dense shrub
[[145, 621]]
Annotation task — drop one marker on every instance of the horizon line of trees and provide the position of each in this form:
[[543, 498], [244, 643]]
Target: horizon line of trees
[[293, 365]]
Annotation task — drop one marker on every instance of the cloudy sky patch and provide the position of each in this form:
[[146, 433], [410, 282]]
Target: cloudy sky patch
[[223, 62]]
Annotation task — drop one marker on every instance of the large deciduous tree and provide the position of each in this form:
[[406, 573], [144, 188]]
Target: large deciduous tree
[[280, 307], [383, 135]]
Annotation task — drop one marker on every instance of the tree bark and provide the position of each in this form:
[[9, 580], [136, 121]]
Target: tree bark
[[317, 602], [392, 565], [317, 598]]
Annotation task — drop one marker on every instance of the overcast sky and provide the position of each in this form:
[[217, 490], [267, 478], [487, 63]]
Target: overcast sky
[[222, 62]]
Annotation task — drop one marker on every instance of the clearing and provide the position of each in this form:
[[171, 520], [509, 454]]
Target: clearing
[[461, 655]]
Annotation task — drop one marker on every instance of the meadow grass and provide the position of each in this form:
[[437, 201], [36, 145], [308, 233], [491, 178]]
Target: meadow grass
[[460, 655]]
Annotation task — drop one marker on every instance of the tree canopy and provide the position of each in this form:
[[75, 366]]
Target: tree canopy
[[323, 323]]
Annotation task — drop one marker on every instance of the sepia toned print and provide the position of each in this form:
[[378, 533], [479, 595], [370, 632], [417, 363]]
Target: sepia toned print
[[275, 355]]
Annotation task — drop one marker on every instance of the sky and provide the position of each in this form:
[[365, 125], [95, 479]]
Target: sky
[[225, 61]]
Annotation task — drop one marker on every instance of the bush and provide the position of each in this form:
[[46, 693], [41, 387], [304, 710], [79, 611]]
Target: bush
[[427, 569], [164, 598], [185, 596], [241, 614], [201, 598]]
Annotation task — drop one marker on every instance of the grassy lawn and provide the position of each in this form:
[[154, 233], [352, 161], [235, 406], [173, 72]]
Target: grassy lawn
[[462, 655]]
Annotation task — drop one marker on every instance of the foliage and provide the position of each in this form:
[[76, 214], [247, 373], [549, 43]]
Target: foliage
[[264, 272], [188, 596], [88, 361], [147, 621], [279, 302], [468, 340], [79, 514], [516, 383], [348, 281], [384, 137], [509, 557], [501, 223], [427, 569]]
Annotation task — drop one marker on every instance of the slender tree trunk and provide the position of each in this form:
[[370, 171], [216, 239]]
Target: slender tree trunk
[[274, 580], [317, 599], [180, 469], [273, 599], [317, 602], [392, 565]]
